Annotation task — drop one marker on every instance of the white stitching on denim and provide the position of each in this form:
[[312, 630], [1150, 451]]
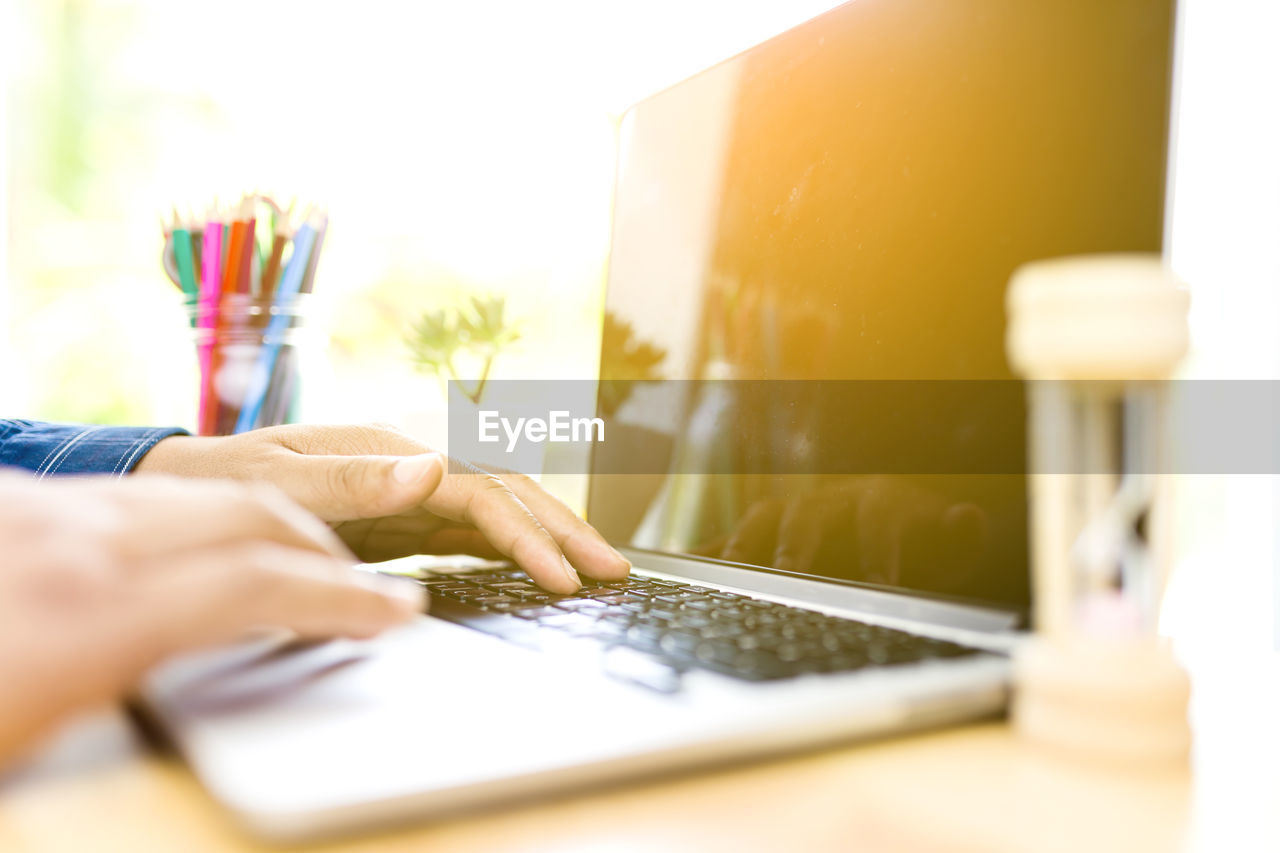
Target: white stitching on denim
[[127, 461], [115, 469], [61, 456], [49, 455]]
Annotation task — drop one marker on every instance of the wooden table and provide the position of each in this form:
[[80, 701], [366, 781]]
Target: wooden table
[[973, 788]]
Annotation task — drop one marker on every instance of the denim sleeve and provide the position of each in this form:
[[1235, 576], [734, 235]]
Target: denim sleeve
[[48, 449]]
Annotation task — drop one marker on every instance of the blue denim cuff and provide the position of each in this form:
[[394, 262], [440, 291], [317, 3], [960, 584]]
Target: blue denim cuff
[[48, 449]]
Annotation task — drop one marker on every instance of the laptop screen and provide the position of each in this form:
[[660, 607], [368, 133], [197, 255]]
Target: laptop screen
[[805, 303]]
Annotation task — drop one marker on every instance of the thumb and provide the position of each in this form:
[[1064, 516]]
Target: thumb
[[344, 488]]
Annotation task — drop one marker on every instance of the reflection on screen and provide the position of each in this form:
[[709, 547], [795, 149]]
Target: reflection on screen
[[847, 202]]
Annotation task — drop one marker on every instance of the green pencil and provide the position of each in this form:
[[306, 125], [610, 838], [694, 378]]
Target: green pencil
[[186, 260]]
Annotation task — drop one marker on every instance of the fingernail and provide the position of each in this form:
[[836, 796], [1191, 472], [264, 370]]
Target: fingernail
[[621, 558], [412, 469], [570, 573]]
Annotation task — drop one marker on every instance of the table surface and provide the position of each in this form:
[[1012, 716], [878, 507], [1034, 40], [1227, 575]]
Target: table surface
[[975, 781], [969, 788]]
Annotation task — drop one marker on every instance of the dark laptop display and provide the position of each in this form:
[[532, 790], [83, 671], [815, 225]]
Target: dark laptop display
[[846, 203]]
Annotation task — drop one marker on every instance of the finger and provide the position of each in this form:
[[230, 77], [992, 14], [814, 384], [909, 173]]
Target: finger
[[160, 514], [752, 538], [485, 501], [586, 549], [215, 594], [339, 488]]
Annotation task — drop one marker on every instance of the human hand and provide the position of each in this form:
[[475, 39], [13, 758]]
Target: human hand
[[387, 495], [100, 579]]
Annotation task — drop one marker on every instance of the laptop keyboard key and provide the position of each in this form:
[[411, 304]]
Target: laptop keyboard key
[[584, 606], [536, 612], [686, 619], [486, 600], [680, 644], [841, 662], [502, 606], [723, 630], [432, 583], [717, 653], [760, 666]]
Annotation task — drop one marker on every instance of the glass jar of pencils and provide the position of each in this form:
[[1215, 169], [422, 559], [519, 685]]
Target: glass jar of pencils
[[248, 351]]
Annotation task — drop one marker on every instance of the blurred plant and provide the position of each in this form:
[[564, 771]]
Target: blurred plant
[[478, 331], [624, 361]]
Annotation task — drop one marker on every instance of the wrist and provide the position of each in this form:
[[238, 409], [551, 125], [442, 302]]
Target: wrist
[[179, 455]]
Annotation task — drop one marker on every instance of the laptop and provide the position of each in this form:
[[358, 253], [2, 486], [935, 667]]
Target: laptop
[[814, 456]]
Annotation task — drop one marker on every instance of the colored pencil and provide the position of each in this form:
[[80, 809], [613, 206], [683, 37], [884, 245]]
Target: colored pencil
[[235, 248], [207, 316], [308, 280], [271, 272], [304, 242], [184, 256], [244, 279]]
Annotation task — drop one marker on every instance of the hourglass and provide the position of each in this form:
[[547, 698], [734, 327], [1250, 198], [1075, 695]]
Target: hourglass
[[1097, 338]]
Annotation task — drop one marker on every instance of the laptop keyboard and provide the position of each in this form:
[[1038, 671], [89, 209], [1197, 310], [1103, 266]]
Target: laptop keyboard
[[660, 628]]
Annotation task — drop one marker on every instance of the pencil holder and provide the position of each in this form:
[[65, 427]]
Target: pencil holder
[[248, 350]]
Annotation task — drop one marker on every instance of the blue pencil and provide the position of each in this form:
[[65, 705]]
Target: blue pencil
[[290, 284]]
